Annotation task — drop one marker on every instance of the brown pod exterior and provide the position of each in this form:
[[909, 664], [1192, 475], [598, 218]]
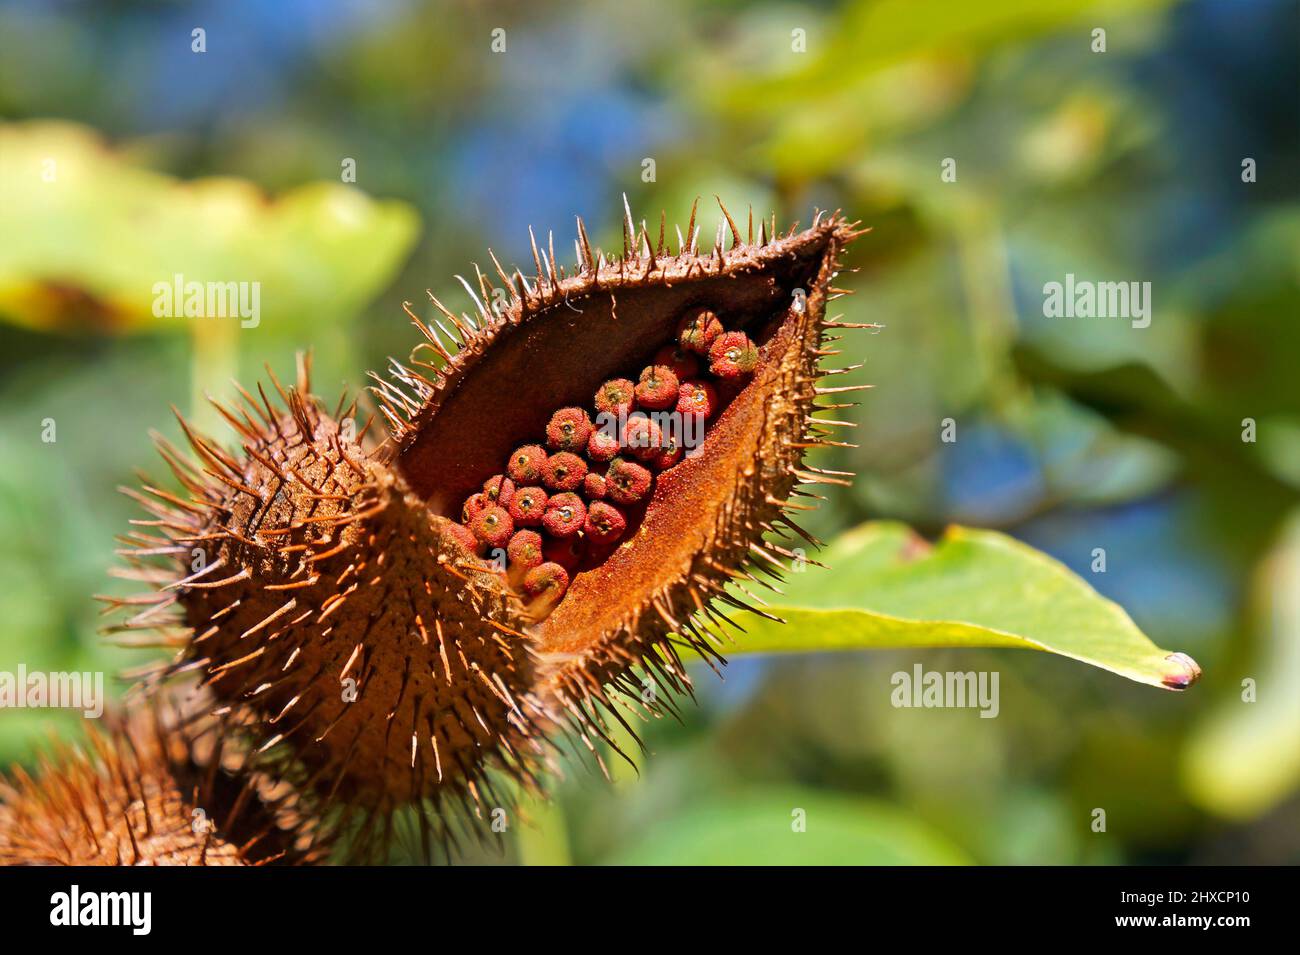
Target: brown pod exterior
[[561, 337], [150, 789], [364, 640]]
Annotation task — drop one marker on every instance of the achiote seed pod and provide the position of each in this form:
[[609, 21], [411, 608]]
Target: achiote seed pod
[[717, 515], [329, 593], [153, 788]]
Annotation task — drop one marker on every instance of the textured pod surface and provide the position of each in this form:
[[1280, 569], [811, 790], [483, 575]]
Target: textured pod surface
[[329, 595], [361, 635], [704, 524], [150, 791]]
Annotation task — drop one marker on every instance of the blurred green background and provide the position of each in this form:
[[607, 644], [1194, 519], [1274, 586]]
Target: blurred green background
[[126, 157]]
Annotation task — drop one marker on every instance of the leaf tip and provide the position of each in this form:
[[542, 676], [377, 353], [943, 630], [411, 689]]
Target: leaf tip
[[1183, 671]]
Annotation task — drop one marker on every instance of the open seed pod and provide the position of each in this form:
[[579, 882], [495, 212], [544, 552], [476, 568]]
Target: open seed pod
[[567, 488], [153, 788], [353, 631], [736, 332]]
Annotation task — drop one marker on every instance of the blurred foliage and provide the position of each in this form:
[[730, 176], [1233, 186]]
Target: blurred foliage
[[98, 232], [1071, 434], [788, 828], [1243, 760]]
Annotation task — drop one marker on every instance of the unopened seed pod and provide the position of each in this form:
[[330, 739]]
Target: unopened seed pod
[[153, 787]]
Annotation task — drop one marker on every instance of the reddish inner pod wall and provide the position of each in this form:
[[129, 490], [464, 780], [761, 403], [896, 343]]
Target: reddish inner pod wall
[[504, 397]]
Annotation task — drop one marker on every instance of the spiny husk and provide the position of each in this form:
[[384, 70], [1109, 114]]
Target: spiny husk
[[362, 642], [153, 788], [719, 520], [323, 561]]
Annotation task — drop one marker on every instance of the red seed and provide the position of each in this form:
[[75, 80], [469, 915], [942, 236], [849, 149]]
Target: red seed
[[642, 437], [602, 446], [667, 457], [682, 363], [657, 388], [463, 536], [594, 487], [627, 481], [697, 398], [568, 552], [565, 514], [493, 526], [733, 356], [499, 490], [525, 549], [605, 523], [568, 430], [526, 464], [475, 504], [616, 397], [527, 507], [698, 329], [547, 579], [564, 471]]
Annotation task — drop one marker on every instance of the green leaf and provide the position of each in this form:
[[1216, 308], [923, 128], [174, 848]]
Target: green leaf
[[791, 827], [889, 588]]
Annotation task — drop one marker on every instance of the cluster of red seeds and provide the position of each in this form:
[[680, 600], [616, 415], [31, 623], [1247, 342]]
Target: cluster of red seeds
[[568, 503]]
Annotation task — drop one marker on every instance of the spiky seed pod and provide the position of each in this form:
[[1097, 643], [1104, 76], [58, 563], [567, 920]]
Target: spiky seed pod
[[657, 388], [718, 517], [564, 471], [568, 430], [320, 596], [152, 789], [528, 506]]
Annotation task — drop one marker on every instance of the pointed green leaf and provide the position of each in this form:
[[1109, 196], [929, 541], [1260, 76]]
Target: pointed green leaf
[[890, 588]]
